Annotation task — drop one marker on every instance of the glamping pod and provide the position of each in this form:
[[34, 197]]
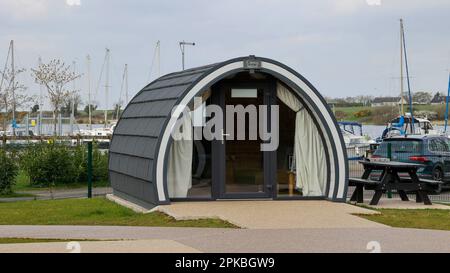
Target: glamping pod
[[246, 128]]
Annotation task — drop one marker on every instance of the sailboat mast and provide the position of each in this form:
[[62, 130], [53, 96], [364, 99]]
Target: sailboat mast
[[107, 86], [41, 103], [158, 55], [155, 61], [124, 79], [13, 79], [407, 77], [126, 84], [446, 104], [402, 111], [88, 63], [72, 104], [1, 86]]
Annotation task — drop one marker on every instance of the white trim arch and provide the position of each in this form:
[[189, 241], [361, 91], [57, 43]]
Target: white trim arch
[[337, 184]]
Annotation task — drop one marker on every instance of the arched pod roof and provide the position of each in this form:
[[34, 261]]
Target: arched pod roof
[[141, 140]]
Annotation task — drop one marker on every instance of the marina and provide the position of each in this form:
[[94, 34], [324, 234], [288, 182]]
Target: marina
[[227, 127]]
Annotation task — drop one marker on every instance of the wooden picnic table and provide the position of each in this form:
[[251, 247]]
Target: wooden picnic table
[[390, 180]]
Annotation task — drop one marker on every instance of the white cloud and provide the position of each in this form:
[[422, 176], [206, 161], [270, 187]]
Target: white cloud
[[24, 9], [348, 6], [374, 2], [73, 2]]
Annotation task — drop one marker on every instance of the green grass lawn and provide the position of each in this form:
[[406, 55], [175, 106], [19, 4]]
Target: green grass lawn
[[422, 219], [351, 110], [14, 194], [96, 211], [31, 240], [350, 113]]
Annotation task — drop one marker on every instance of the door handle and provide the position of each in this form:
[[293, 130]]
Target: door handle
[[223, 136]]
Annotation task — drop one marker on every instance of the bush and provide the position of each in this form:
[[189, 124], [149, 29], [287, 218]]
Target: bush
[[49, 164], [340, 115], [363, 114], [384, 114], [440, 111], [8, 172], [431, 115], [56, 164], [99, 164]]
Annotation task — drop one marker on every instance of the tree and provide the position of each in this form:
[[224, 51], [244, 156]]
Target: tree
[[55, 76], [117, 110], [365, 100], [422, 97], [8, 172], [35, 108], [93, 108], [67, 108], [12, 95]]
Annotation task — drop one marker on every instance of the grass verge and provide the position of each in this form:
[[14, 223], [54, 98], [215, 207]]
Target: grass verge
[[96, 211], [16, 195], [421, 218], [31, 240]]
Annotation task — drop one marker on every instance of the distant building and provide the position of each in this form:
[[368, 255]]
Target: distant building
[[388, 101], [439, 99]]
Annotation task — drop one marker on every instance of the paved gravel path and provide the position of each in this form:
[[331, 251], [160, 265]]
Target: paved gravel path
[[275, 214], [253, 240], [134, 246]]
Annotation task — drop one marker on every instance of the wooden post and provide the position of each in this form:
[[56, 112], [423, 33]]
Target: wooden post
[[291, 183]]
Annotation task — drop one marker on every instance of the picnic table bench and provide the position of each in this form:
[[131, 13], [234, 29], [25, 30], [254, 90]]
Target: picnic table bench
[[390, 180]]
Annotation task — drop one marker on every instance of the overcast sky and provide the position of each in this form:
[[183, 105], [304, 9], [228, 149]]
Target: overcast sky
[[344, 47]]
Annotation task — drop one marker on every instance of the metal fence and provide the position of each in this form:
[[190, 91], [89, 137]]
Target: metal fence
[[434, 154], [41, 125], [80, 153]]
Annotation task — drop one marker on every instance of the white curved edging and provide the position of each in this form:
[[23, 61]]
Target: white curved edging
[[335, 137]]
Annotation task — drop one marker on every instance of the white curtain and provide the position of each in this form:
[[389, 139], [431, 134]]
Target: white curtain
[[179, 171], [309, 152]]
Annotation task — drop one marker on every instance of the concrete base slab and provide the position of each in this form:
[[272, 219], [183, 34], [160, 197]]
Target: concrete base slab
[[140, 246], [399, 204], [127, 204], [274, 214]]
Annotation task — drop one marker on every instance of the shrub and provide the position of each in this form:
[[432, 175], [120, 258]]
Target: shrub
[[440, 111], [99, 164], [362, 114], [340, 115], [384, 114], [49, 164], [8, 172], [431, 115], [54, 164]]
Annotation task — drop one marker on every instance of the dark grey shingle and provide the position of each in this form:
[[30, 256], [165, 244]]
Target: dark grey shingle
[[135, 139]]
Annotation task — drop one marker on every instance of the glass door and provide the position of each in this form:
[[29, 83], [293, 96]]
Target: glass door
[[243, 167]]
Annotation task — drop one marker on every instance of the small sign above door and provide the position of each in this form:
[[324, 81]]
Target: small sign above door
[[252, 64], [244, 93]]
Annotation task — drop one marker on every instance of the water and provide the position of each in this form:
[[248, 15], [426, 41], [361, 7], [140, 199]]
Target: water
[[375, 131]]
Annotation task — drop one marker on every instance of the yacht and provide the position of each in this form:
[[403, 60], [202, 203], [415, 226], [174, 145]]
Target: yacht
[[405, 125], [353, 135]]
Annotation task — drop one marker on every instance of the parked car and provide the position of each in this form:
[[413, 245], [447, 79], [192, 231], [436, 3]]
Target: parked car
[[431, 151]]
